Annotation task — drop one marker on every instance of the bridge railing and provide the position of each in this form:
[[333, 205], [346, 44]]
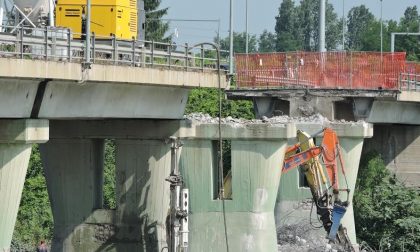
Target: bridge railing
[[58, 44], [410, 78], [329, 70]]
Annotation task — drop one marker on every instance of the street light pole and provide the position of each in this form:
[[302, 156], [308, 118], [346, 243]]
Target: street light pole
[[231, 39], [344, 27], [322, 26], [382, 38], [246, 27]]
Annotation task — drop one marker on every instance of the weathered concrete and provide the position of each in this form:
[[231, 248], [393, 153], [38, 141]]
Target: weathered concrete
[[16, 139], [37, 69], [293, 202], [256, 171], [399, 146], [395, 112], [51, 90], [73, 169]]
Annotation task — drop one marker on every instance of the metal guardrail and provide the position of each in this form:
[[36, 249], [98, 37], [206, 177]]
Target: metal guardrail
[[58, 44], [409, 82]]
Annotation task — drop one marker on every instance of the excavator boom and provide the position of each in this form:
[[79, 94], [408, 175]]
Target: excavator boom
[[307, 155]]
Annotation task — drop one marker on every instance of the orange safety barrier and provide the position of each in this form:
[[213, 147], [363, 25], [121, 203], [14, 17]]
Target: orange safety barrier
[[329, 70]]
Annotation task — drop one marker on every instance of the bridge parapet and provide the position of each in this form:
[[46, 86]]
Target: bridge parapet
[[57, 44]]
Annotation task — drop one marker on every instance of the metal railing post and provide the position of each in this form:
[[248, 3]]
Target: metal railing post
[[170, 55], [186, 56], [143, 56], [202, 58], [152, 50], [114, 47], [21, 41], [46, 42], [93, 43], [69, 53], [133, 52]]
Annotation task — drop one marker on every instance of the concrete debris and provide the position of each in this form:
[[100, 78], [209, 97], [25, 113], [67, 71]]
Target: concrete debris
[[302, 237], [273, 121]]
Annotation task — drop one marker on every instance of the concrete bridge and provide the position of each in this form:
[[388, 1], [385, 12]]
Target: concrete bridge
[[135, 93], [383, 89]]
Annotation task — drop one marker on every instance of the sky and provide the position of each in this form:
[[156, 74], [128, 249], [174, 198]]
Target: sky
[[261, 15]]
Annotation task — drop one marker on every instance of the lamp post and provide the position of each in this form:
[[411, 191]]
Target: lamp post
[[231, 38], [382, 39], [344, 27], [246, 27]]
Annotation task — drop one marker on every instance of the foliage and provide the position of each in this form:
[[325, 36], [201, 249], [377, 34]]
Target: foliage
[[409, 44], [267, 42], [239, 40], [109, 176], [205, 100], [359, 19], [286, 23], [155, 27], [297, 27], [387, 213], [34, 221]]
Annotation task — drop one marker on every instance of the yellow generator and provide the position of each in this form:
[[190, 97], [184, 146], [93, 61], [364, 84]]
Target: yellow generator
[[108, 17]]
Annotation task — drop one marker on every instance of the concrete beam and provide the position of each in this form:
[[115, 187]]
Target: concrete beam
[[37, 69], [395, 112], [16, 139], [163, 129]]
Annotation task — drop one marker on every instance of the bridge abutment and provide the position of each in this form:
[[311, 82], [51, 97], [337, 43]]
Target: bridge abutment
[[16, 140]]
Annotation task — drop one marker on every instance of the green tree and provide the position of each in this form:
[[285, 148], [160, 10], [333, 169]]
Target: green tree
[[267, 42], [239, 39], [34, 221], [387, 214], [109, 175], [205, 100], [155, 27], [359, 20], [286, 28], [409, 44]]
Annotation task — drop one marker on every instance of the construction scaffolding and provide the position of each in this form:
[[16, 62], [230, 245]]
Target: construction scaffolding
[[328, 70]]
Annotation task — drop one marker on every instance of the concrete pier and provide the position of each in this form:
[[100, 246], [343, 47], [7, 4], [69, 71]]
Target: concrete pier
[[73, 161], [257, 153], [16, 139], [294, 199]]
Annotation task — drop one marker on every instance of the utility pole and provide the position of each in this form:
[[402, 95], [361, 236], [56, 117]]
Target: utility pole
[[344, 28], [322, 26], [231, 39], [246, 27], [382, 34]]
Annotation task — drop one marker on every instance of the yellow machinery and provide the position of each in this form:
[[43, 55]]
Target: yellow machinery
[[108, 17]]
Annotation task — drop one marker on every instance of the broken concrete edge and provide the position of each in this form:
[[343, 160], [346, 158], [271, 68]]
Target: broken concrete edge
[[37, 69], [24, 131], [347, 129]]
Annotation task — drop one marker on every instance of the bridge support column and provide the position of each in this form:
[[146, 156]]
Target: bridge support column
[[73, 162], [16, 139], [294, 198]]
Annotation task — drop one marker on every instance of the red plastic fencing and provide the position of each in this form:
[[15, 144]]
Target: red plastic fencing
[[329, 70]]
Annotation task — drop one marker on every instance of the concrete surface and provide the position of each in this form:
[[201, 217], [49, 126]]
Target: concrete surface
[[293, 202], [48, 89], [73, 171], [16, 139], [256, 172], [399, 146], [395, 112], [37, 69]]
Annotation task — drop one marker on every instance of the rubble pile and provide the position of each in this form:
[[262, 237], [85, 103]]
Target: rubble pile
[[278, 120], [304, 238]]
